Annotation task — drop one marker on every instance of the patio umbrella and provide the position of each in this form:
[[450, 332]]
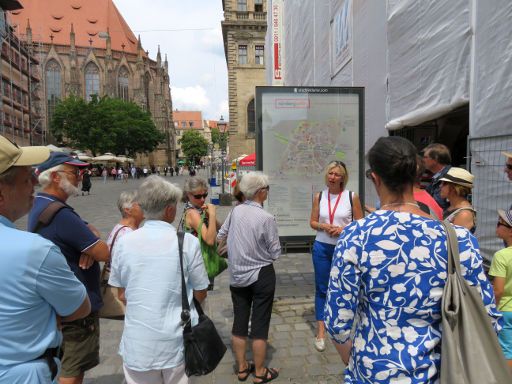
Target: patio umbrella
[[107, 157], [125, 159], [84, 157]]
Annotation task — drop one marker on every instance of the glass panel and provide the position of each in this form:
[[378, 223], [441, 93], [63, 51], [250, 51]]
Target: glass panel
[[242, 54], [92, 81], [53, 86], [122, 84]]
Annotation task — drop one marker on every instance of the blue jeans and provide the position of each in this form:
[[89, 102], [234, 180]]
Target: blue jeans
[[322, 260]]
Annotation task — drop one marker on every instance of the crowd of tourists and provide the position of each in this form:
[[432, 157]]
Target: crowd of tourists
[[379, 277]]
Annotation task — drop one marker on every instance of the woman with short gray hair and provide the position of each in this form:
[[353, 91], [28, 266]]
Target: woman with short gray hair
[[253, 246], [146, 264]]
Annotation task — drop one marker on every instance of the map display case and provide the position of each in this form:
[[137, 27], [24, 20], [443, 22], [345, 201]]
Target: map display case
[[299, 130]]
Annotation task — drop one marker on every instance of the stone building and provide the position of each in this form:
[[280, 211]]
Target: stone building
[[20, 111], [85, 48], [185, 121], [243, 29]]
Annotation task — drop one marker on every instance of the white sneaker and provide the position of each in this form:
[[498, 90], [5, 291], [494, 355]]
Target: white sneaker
[[319, 344]]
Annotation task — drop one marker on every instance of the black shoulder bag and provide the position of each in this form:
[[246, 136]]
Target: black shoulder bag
[[204, 349]]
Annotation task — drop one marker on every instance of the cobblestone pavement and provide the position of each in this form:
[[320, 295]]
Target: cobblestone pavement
[[292, 326]]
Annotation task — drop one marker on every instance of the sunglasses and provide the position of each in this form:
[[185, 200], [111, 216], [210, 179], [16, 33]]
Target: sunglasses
[[201, 196], [502, 224], [74, 173], [267, 188]]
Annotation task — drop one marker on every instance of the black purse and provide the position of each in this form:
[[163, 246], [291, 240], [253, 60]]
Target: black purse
[[204, 349]]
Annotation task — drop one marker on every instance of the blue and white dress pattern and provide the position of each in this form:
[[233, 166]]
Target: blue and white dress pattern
[[388, 272]]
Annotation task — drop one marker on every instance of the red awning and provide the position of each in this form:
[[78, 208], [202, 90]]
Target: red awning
[[248, 161]]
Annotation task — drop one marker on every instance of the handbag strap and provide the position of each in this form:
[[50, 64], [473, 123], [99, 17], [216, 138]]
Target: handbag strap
[[185, 307], [106, 266], [452, 245]]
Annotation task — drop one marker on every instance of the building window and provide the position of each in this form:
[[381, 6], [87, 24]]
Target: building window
[[242, 5], [258, 5], [122, 84], [184, 124], [242, 54], [251, 118], [190, 124], [147, 79], [53, 87], [92, 81], [259, 56]]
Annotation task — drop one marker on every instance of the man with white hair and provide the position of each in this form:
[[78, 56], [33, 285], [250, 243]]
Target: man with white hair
[[146, 264], [80, 243], [36, 285]]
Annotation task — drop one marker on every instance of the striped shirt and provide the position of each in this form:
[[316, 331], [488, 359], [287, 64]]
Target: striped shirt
[[253, 242]]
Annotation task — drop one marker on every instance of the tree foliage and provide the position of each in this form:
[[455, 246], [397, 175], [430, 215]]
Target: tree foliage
[[194, 146], [105, 125]]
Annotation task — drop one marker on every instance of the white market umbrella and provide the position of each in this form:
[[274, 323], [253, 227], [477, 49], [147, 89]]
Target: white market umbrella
[[84, 157], [107, 157], [124, 159]]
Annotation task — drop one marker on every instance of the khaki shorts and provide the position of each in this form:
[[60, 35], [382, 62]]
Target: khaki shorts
[[80, 346]]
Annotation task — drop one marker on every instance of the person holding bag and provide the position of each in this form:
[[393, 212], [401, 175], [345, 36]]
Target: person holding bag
[[333, 209], [146, 263], [390, 269], [200, 220]]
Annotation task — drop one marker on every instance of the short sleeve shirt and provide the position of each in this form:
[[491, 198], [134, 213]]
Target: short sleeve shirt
[[146, 263], [501, 266], [70, 233], [36, 284]]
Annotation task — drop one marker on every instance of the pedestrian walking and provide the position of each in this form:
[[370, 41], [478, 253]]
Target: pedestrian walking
[[113, 173], [146, 265], [82, 247], [333, 209], [104, 175], [389, 271], [253, 246], [86, 182], [38, 290]]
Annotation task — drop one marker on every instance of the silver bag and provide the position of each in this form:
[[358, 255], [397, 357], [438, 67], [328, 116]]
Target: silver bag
[[470, 352]]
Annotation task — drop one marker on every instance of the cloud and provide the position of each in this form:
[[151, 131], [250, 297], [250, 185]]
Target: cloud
[[224, 109], [190, 98]]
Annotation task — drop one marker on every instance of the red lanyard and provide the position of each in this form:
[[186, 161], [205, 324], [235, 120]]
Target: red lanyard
[[331, 213]]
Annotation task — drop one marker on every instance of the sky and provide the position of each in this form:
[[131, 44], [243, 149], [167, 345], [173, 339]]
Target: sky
[[189, 32]]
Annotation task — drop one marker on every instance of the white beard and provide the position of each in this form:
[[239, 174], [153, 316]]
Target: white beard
[[67, 187]]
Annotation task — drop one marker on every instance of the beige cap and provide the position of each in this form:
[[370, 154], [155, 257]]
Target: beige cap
[[459, 176], [507, 154], [12, 155]]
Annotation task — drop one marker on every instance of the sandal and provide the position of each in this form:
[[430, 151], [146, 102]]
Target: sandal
[[246, 372], [265, 378]]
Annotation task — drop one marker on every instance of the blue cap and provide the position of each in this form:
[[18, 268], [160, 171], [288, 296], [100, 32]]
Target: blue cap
[[58, 158]]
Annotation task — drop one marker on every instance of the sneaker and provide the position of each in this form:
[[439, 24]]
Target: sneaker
[[319, 344]]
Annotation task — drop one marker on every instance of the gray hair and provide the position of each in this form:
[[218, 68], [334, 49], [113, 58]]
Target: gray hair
[[45, 178], [252, 182], [126, 200], [193, 184], [155, 194]]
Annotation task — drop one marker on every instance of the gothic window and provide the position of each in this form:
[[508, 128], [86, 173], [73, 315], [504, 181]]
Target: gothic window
[[259, 56], [92, 81], [242, 54], [147, 79], [242, 5], [53, 86], [251, 118], [122, 84]]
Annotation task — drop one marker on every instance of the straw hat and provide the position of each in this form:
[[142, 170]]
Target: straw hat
[[459, 176], [506, 216]]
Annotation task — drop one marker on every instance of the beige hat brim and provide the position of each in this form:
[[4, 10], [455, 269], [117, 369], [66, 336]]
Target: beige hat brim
[[458, 182], [507, 154], [32, 156]]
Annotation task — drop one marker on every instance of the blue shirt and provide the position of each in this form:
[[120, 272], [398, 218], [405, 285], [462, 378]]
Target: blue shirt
[[71, 234], [36, 284], [389, 271], [146, 263]]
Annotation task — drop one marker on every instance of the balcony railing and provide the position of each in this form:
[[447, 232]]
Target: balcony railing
[[240, 15], [260, 15]]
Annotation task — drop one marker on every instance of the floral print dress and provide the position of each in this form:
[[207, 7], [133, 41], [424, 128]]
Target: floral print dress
[[387, 276]]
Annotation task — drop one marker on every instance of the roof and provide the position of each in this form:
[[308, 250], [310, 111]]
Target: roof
[[196, 117], [90, 18]]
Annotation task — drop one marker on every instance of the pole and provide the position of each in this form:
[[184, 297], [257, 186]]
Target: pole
[[223, 167]]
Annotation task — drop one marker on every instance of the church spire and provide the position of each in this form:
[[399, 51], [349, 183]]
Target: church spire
[[158, 58], [72, 38], [29, 33]]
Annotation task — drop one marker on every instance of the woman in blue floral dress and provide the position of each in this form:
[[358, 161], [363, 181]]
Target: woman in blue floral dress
[[387, 276]]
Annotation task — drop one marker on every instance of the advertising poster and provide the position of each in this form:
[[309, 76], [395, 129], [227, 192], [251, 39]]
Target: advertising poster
[[277, 42], [299, 131]]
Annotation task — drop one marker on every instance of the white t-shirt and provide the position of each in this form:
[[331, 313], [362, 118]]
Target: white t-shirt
[[342, 214]]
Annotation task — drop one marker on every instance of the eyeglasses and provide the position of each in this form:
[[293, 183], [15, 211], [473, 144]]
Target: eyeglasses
[[267, 188], [74, 173], [503, 224], [339, 163], [201, 196], [368, 174]]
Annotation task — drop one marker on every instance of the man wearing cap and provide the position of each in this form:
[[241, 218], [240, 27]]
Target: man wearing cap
[[36, 284], [81, 245], [437, 159]]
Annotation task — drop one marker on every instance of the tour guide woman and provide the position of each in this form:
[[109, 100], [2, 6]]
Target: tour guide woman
[[390, 269], [333, 209]]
